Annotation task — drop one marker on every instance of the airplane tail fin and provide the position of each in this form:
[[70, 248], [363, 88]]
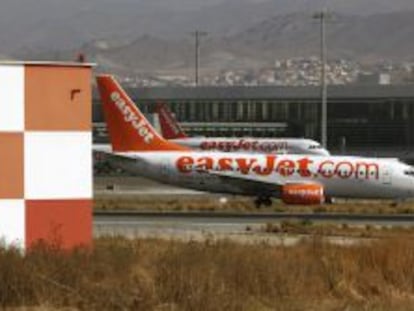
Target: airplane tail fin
[[128, 128], [169, 126]]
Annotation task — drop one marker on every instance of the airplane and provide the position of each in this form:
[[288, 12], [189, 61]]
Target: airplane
[[172, 131], [295, 179]]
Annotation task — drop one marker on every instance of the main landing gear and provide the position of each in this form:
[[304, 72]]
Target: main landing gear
[[266, 201], [397, 202]]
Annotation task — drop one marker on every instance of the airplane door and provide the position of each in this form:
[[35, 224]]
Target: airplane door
[[386, 175], [165, 169]]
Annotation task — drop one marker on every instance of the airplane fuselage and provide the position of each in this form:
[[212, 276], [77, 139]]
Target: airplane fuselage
[[253, 145], [346, 177]]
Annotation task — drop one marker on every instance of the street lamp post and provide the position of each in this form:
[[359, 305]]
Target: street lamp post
[[197, 36], [322, 16]]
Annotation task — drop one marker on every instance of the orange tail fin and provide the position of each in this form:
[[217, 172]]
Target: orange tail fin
[[128, 128], [169, 126]]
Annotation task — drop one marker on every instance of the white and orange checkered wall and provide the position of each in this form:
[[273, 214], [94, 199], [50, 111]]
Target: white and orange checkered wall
[[45, 154]]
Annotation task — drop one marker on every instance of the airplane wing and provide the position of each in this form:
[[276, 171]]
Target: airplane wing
[[249, 184], [256, 185]]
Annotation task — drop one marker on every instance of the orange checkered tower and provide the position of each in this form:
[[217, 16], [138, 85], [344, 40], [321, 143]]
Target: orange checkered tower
[[45, 153]]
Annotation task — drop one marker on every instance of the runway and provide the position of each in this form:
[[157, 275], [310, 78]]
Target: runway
[[173, 224]]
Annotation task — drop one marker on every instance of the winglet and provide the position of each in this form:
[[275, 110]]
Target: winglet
[[170, 128], [128, 128]]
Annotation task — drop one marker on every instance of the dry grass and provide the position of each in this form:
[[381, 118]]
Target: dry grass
[[119, 274], [241, 204], [171, 203], [306, 227]]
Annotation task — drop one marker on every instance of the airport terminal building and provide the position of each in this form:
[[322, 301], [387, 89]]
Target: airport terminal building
[[363, 119]]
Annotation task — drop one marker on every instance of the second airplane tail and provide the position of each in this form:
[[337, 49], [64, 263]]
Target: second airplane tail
[[169, 125], [128, 128]]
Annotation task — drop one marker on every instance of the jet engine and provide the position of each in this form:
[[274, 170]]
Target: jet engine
[[303, 194]]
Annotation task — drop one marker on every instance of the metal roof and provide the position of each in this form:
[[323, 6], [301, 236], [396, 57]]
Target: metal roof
[[271, 92], [45, 63], [346, 92]]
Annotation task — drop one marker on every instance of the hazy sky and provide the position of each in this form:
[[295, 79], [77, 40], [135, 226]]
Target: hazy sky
[[64, 23], [357, 6]]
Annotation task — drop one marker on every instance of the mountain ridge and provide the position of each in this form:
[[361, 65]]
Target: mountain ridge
[[63, 24], [252, 43]]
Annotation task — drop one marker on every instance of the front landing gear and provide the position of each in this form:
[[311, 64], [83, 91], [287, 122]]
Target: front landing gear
[[266, 201]]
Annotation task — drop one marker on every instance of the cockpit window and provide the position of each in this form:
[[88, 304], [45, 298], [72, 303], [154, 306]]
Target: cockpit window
[[315, 147], [409, 172]]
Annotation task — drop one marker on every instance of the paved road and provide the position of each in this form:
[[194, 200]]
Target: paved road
[[214, 217], [173, 223]]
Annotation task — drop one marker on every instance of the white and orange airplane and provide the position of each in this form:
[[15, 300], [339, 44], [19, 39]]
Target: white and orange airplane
[[171, 130], [295, 179]]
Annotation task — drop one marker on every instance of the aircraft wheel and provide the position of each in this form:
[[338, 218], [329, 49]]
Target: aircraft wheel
[[397, 202], [267, 202], [258, 203]]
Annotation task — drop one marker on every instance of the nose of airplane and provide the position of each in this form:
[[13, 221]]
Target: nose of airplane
[[322, 152], [412, 187], [326, 152]]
